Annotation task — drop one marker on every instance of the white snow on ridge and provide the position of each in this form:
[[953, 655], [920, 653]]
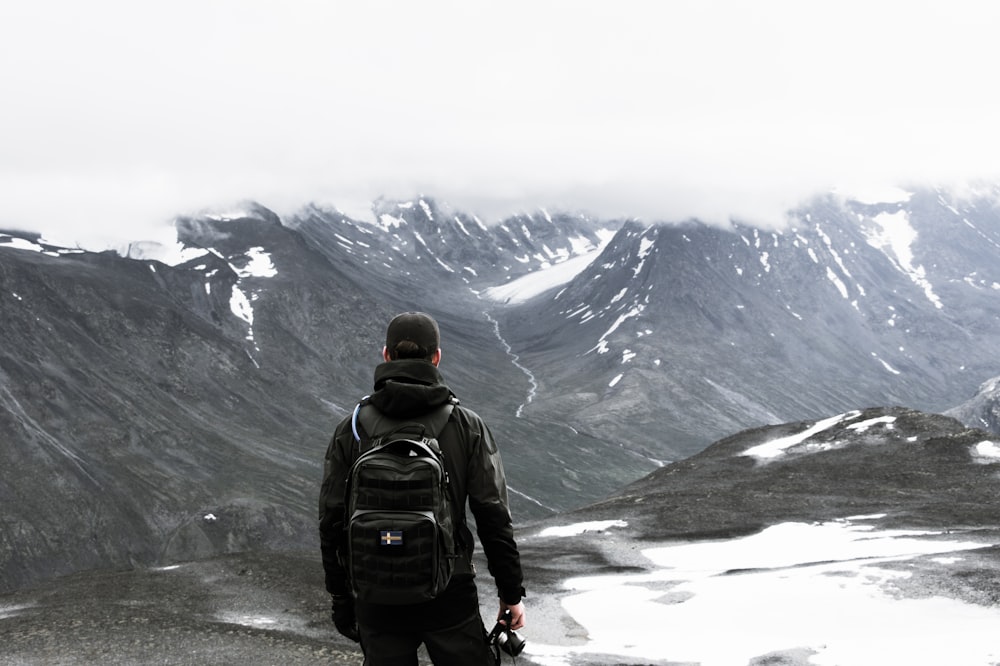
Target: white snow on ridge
[[240, 305], [537, 282], [388, 222], [427, 210], [601, 345], [645, 247], [260, 264], [579, 528], [837, 282], [7, 241], [811, 588], [894, 237], [19, 244], [778, 447], [863, 426]]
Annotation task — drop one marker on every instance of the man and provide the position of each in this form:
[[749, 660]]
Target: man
[[408, 386]]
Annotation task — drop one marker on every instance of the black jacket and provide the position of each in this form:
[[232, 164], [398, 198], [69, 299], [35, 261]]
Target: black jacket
[[406, 390]]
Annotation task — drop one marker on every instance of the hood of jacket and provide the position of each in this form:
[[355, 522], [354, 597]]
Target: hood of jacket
[[408, 388]]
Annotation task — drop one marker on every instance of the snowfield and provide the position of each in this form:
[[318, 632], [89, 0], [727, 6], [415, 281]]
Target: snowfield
[[818, 591]]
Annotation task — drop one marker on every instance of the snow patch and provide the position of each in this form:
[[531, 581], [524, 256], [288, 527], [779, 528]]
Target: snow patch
[[987, 452], [894, 236], [427, 210], [537, 282], [863, 426], [240, 305], [13, 610], [259, 264], [247, 620], [778, 447], [787, 586], [601, 345], [7, 241], [579, 528], [390, 222]]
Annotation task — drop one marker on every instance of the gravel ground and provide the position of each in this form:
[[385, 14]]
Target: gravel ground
[[270, 608], [240, 609], [252, 608]]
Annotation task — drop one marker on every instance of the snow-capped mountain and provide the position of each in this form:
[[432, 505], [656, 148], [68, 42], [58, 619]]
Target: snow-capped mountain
[[178, 399], [411, 241], [687, 332]]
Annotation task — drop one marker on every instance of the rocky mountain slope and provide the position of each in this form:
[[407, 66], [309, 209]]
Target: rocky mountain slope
[[983, 410], [175, 402], [915, 469], [689, 332]]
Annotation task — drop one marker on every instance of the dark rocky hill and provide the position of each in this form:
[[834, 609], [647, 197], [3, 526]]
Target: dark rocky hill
[[917, 469]]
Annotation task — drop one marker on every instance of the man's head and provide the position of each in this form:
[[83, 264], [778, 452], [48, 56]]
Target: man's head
[[412, 335]]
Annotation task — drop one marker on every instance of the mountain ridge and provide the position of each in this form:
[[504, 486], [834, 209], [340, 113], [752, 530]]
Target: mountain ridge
[[136, 383]]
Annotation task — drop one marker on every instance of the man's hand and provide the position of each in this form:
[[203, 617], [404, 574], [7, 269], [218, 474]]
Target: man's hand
[[342, 614], [516, 614]]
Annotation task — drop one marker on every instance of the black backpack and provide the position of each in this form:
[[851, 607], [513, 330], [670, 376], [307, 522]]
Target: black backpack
[[400, 528]]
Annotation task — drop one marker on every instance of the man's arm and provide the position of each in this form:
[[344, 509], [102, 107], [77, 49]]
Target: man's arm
[[487, 490], [331, 509]]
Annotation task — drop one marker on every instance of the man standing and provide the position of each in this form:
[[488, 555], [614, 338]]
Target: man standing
[[409, 388]]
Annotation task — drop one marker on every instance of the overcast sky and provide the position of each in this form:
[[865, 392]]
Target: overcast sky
[[117, 115]]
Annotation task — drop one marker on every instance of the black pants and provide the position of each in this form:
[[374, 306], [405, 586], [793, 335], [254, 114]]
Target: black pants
[[449, 626]]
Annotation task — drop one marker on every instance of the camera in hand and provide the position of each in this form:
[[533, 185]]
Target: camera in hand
[[505, 638]]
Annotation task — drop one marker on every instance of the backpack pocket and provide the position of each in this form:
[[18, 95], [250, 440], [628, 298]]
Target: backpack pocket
[[397, 557]]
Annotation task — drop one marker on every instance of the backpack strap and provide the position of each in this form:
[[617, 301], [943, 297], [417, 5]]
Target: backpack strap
[[378, 426], [354, 418]]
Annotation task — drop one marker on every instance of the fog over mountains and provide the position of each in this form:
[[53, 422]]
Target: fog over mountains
[[175, 402]]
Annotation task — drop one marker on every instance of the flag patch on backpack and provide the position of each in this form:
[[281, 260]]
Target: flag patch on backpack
[[400, 526], [392, 538]]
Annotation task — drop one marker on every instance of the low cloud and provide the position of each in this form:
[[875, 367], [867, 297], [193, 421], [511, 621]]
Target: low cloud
[[124, 116]]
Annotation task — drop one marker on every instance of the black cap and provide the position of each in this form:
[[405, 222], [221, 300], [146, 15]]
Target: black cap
[[416, 327]]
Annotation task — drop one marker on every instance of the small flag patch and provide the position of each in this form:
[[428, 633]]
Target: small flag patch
[[391, 538]]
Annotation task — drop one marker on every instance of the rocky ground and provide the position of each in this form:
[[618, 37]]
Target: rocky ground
[[904, 470], [239, 609], [270, 608], [250, 608]]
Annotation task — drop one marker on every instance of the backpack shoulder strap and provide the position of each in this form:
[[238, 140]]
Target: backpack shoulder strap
[[354, 418], [367, 420]]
